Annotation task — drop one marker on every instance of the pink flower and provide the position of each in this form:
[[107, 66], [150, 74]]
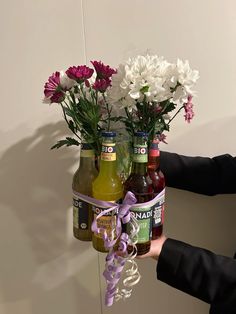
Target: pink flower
[[57, 97], [188, 107], [87, 83], [79, 73], [53, 89], [101, 85], [52, 85], [162, 138], [103, 71], [157, 109]]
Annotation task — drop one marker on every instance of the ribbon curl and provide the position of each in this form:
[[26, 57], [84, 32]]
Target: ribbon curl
[[115, 261]]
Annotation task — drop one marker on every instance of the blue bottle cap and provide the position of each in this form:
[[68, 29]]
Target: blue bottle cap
[[141, 134], [86, 146], [108, 134]]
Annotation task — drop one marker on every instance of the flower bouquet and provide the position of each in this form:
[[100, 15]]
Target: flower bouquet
[[142, 96]]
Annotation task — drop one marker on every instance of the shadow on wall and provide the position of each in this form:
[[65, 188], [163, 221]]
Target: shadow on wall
[[36, 187], [35, 202]]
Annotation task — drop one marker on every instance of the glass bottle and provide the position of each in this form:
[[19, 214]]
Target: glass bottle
[[106, 187], [82, 183], [139, 183], [158, 183]]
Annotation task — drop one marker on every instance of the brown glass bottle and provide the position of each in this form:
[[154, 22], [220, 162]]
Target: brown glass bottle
[[139, 183], [158, 183], [82, 183]]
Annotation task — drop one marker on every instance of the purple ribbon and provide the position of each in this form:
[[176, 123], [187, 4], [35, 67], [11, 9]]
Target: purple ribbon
[[122, 216], [115, 261]]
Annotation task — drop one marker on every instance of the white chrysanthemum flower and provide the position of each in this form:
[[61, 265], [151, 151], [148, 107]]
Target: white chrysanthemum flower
[[118, 91], [65, 81], [180, 96], [151, 78], [139, 77], [186, 76]]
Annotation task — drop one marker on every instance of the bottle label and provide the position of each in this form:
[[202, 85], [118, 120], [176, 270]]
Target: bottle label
[[108, 152], [87, 153], [86, 150], [144, 218], [80, 213], [140, 153], [158, 213], [106, 222]]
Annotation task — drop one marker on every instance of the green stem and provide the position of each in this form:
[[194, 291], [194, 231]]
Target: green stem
[[65, 117], [82, 90], [130, 118], [175, 115], [108, 113]]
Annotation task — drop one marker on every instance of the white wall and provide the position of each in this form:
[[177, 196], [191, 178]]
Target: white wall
[[42, 268]]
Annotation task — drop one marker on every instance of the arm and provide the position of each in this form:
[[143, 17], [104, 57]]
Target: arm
[[198, 272], [202, 175]]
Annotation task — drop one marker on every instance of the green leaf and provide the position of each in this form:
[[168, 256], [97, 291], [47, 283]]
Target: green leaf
[[72, 126], [66, 142], [144, 89]]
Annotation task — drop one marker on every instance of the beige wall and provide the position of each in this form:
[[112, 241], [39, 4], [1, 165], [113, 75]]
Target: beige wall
[[42, 268]]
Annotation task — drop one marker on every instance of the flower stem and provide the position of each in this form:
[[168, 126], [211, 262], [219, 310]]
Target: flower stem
[[175, 115], [65, 117], [108, 113]]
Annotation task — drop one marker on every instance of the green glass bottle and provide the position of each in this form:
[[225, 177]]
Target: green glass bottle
[[140, 184], [106, 187], [82, 183]]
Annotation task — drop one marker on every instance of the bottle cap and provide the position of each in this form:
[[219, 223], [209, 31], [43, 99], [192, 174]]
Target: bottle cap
[[141, 134], [86, 146], [108, 134]]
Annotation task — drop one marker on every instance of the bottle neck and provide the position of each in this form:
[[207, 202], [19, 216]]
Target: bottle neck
[[153, 163], [140, 158], [87, 157], [154, 156], [139, 168], [108, 158], [87, 162]]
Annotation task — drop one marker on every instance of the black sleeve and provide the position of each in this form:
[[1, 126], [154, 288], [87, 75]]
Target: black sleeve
[[200, 273], [209, 176]]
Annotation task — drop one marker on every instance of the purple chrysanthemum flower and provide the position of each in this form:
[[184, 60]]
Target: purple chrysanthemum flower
[[103, 71], [80, 73], [57, 97], [53, 85], [53, 90], [101, 85], [188, 107]]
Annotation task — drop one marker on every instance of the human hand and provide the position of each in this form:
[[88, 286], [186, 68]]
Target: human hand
[[155, 249]]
